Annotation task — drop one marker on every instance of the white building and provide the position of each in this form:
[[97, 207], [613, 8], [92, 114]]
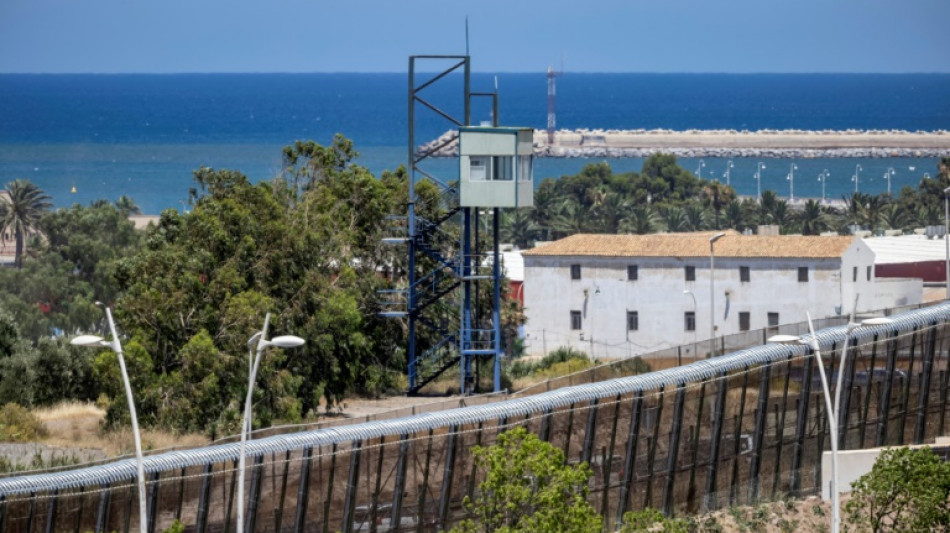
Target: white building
[[621, 295]]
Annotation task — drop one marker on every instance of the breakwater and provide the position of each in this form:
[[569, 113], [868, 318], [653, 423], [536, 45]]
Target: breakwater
[[799, 144]]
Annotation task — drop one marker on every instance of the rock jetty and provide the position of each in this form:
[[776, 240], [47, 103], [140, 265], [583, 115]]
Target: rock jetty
[[799, 144]]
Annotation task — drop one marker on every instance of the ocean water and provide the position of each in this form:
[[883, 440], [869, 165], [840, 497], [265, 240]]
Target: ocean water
[[143, 135]]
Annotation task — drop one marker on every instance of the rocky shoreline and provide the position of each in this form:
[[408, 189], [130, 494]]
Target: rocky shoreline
[[798, 144]]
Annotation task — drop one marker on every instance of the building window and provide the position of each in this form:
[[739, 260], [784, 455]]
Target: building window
[[576, 320], [854, 274], [690, 319], [743, 321], [632, 273], [633, 321], [869, 273], [575, 272], [690, 273], [803, 274], [744, 274], [773, 319], [502, 168]]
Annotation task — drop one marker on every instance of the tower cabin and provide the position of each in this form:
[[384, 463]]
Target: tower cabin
[[496, 166]]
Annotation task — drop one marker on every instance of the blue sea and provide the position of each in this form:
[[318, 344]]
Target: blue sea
[[142, 135]]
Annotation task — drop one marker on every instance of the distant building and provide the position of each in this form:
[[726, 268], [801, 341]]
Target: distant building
[[909, 256], [620, 295]]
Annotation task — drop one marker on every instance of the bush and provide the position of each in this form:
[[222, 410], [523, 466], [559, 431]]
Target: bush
[[652, 520], [19, 425], [520, 369], [905, 491], [528, 487]]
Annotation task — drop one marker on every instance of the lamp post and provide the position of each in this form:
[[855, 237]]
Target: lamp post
[[834, 411], [284, 341], [699, 169], [823, 177], [791, 182], [116, 346], [758, 180], [946, 238], [888, 175], [857, 176], [728, 171], [712, 292]]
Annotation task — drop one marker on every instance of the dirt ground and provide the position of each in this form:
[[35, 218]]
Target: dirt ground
[[810, 515]]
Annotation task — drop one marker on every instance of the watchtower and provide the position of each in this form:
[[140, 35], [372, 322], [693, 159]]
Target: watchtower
[[450, 268]]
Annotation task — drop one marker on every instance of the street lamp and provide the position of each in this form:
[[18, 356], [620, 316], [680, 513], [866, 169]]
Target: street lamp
[[114, 345], [699, 169], [712, 293], [946, 238], [284, 341], [823, 177], [857, 176], [887, 175], [728, 171], [758, 180], [791, 182], [833, 411]]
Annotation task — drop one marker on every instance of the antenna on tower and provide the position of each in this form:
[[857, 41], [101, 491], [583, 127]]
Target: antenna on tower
[[552, 97], [466, 35]]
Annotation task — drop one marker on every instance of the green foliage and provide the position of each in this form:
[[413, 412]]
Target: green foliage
[[306, 247], [176, 527], [528, 487], [564, 354], [906, 490], [17, 424], [653, 520]]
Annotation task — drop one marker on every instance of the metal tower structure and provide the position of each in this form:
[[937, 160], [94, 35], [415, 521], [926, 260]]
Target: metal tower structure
[[446, 267]]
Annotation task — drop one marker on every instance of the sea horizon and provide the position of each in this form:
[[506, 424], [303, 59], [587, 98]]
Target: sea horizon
[[142, 135]]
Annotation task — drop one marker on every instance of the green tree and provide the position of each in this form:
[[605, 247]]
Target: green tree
[[20, 212], [528, 487], [906, 490]]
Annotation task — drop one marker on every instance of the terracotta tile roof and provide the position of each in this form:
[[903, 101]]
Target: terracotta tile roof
[[695, 245]]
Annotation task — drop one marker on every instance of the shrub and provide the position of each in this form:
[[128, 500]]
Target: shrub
[[529, 487], [906, 490], [652, 520], [19, 425]]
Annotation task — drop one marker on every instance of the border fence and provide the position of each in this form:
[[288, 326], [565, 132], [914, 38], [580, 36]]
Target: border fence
[[737, 429]]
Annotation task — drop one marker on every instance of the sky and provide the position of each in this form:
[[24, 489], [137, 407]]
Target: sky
[[735, 36]]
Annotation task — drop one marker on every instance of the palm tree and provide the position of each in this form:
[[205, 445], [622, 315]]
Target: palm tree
[[675, 219], [717, 195], [735, 216], [813, 221], [696, 218], [20, 212], [642, 220], [609, 209], [127, 206], [517, 228]]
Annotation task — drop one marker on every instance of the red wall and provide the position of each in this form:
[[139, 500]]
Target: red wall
[[926, 270]]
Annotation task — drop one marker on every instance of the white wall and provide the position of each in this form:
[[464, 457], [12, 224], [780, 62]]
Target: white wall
[[603, 295], [897, 292]]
